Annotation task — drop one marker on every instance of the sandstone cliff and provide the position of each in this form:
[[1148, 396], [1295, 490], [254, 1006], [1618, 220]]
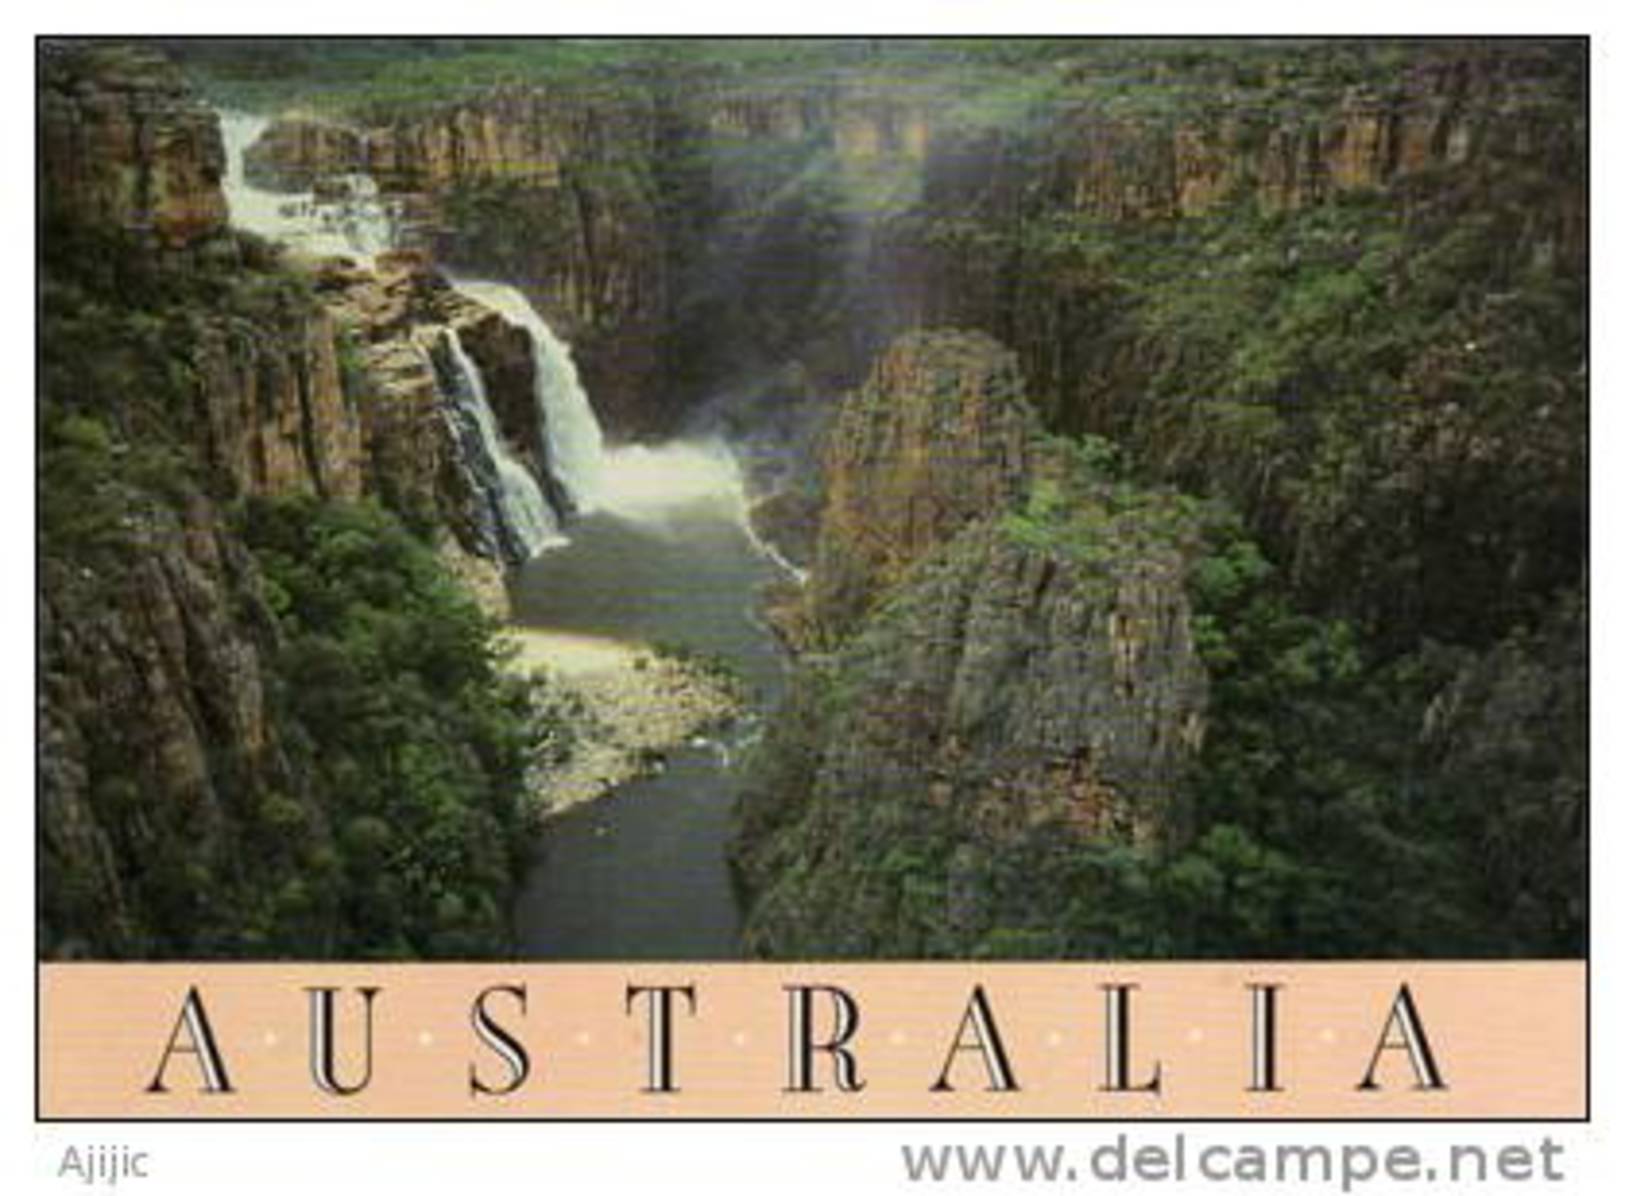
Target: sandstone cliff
[[155, 731], [392, 320], [938, 437], [124, 144], [301, 153], [186, 373], [273, 405], [1007, 671]]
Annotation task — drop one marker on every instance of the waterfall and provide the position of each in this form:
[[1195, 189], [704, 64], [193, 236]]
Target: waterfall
[[349, 218], [575, 443], [514, 516], [655, 486], [648, 484]]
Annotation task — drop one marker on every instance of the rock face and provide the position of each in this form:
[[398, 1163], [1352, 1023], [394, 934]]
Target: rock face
[[992, 684], [163, 673], [1442, 113], [124, 145], [524, 135], [938, 437], [212, 376], [1292, 132], [298, 153], [275, 412], [393, 317]]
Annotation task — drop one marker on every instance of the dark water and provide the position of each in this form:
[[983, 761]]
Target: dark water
[[641, 874]]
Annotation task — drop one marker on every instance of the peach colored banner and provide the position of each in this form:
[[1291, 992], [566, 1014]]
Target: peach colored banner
[[1390, 1040]]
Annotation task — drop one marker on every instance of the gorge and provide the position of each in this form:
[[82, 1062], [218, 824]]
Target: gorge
[[1036, 499], [632, 545]]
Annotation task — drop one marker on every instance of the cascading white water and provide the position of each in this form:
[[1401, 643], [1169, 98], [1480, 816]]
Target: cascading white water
[[647, 484], [651, 485], [350, 220], [575, 443], [519, 515]]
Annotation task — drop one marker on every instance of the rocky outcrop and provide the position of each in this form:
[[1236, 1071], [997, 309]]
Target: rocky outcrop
[[938, 437], [1010, 667], [155, 731], [298, 152], [507, 361], [124, 145], [1000, 692], [392, 318]]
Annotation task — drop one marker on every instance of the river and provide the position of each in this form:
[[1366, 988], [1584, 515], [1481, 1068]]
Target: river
[[668, 558]]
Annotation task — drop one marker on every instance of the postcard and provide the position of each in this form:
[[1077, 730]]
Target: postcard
[[772, 579]]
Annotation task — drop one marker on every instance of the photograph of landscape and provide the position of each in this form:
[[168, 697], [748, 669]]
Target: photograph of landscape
[[799, 499]]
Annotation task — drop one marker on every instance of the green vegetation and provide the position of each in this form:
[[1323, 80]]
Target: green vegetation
[[1387, 382], [123, 338], [1343, 804], [997, 77], [395, 75], [412, 739], [1347, 381], [1357, 406], [277, 728], [391, 75], [1082, 510]]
